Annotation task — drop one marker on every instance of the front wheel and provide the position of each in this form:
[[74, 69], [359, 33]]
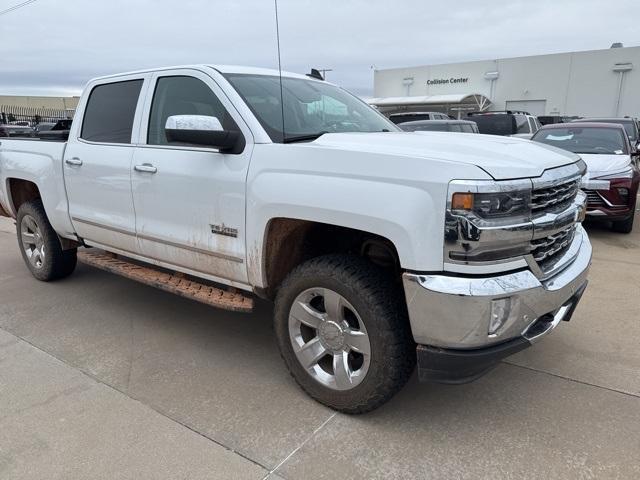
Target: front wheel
[[625, 226], [40, 245], [343, 331]]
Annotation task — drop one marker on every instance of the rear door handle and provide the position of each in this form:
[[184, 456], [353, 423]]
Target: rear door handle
[[75, 161], [145, 167]]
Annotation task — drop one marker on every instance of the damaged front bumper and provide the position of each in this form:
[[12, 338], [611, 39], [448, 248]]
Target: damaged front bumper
[[466, 325]]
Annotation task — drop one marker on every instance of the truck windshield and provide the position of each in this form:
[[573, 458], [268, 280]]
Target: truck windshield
[[607, 141], [311, 108]]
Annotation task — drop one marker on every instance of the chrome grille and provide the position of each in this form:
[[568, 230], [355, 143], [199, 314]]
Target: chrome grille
[[593, 199], [554, 198], [546, 248]]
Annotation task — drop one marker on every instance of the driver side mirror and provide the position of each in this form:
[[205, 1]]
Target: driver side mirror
[[202, 130]]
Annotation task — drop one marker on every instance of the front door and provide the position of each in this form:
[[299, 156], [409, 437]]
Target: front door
[[190, 201], [97, 166]]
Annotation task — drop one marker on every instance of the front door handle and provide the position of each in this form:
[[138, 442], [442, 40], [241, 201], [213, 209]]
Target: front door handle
[[145, 167], [75, 161]]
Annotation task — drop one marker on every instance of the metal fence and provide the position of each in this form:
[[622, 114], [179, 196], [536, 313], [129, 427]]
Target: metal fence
[[10, 114]]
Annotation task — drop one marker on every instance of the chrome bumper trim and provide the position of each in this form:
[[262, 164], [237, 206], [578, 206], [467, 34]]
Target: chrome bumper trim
[[453, 311]]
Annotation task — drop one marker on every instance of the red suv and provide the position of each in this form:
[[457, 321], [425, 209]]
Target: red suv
[[612, 179]]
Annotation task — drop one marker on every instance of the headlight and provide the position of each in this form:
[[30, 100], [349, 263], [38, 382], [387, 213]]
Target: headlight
[[487, 220], [492, 205], [627, 173]]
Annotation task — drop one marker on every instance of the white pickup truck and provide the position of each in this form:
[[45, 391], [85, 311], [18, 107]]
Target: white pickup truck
[[380, 248]]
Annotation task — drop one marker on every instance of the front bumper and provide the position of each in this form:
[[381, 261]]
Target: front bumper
[[450, 315], [606, 202]]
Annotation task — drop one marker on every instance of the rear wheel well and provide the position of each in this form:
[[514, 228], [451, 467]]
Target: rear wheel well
[[22, 191], [290, 242]]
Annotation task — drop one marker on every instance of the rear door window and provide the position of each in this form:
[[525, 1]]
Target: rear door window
[[108, 117]]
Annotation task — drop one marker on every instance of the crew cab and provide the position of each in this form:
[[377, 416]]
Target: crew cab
[[612, 179], [380, 248]]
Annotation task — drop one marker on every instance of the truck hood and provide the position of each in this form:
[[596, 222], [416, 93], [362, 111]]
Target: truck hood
[[501, 157], [598, 165]]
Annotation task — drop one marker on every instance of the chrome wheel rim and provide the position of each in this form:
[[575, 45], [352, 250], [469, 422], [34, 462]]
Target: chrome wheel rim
[[329, 338], [32, 241]]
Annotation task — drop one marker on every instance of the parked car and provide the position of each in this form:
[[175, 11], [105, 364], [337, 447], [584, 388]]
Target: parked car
[[44, 126], [612, 177], [415, 116], [58, 130], [463, 126], [378, 248], [10, 130], [508, 123], [629, 124], [551, 119]]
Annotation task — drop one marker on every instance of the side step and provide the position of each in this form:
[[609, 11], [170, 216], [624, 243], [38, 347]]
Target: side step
[[170, 282]]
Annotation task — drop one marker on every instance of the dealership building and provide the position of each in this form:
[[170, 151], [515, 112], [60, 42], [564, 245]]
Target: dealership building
[[588, 83]]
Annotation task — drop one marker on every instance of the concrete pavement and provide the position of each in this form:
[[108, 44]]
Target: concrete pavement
[[101, 377]]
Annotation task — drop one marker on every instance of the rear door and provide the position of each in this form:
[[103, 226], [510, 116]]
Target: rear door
[[97, 163], [190, 200]]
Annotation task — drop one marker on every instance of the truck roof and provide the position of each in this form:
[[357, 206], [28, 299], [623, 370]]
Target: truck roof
[[220, 68]]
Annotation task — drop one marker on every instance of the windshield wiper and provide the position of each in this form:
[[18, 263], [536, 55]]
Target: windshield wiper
[[302, 138]]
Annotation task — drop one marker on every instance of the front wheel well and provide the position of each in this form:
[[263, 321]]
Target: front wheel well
[[290, 242]]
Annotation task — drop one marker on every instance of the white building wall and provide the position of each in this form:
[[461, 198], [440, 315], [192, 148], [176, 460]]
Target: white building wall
[[577, 83]]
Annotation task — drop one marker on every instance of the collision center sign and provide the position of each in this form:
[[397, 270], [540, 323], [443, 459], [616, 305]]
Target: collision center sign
[[445, 81]]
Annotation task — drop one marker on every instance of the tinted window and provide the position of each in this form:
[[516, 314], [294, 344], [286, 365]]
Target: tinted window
[[424, 127], [495, 124], [183, 96], [109, 114], [606, 141], [400, 118], [630, 128], [629, 125], [466, 128]]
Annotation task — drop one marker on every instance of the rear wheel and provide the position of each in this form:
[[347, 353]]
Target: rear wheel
[[40, 246], [343, 332]]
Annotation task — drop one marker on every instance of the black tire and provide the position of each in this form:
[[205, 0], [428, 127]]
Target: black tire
[[624, 226], [57, 263], [380, 304]]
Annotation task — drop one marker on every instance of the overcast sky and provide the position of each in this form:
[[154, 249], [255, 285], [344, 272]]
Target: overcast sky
[[53, 47]]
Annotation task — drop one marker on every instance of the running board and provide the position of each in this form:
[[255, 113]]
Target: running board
[[170, 282]]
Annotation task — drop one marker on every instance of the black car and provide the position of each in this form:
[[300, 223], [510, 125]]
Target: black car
[[553, 119], [462, 126], [507, 122], [404, 117], [57, 131]]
